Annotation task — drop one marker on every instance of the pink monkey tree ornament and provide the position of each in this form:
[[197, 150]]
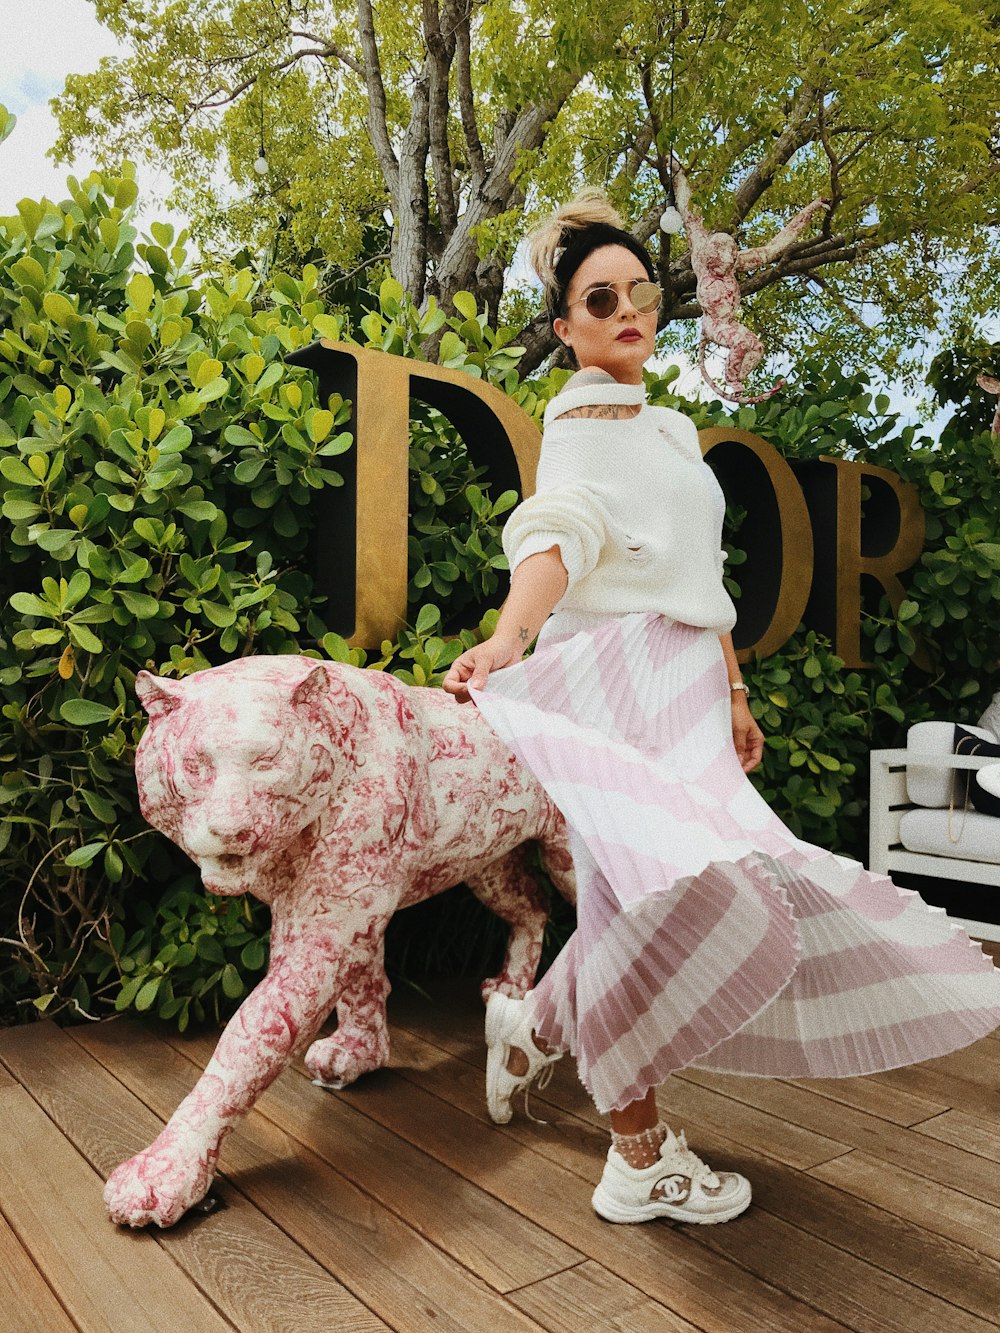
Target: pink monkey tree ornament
[[337, 795], [991, 384], [718, 262]]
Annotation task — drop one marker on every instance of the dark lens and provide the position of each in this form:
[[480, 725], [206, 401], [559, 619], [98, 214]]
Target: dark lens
[[645, 297], [602, 302]]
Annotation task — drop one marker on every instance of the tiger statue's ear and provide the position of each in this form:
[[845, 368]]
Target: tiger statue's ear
[[313, 687], [158, 695]]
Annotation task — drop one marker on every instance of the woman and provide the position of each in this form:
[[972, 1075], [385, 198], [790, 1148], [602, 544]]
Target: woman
[[708, 935]]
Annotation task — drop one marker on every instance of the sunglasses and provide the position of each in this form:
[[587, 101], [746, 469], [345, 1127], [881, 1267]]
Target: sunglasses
[[602, 302]]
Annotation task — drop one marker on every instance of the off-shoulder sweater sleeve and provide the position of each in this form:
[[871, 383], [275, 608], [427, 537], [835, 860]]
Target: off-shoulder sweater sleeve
[[565, 513]]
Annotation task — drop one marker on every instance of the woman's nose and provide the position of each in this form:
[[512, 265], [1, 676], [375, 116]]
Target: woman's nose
[[625, 306]]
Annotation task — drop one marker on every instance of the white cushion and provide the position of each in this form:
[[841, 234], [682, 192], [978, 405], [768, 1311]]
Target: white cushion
[[991, 718], [934, 787], [978, 835]]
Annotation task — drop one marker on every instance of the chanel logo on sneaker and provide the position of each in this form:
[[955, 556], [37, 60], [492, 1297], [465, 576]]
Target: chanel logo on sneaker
[[674, 1189]]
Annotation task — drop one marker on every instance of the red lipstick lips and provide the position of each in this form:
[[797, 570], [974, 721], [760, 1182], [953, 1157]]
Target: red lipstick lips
[[628, 335]]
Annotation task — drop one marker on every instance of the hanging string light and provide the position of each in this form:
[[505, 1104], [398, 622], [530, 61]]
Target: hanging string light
[[261, 165], [671, 221]]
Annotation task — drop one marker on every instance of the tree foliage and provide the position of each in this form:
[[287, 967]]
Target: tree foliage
[[464, 122]]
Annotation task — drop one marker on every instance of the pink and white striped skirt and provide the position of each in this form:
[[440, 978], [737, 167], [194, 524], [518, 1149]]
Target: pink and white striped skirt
[[708, 935]]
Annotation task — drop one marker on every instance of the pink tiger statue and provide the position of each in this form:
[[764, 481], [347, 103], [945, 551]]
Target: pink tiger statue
[[336, 795]]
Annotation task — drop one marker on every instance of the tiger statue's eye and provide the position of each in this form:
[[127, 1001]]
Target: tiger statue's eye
[[198, 766]]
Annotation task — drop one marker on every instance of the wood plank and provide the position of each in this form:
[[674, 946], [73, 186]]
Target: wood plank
[[946, 1212], [894, 1244], [900, 1246], [494, 1241], [954, 1093], [864, 1094], [666, 1262], [964, 1131], [25, 1296], [744, 1124], [978, 1063], [588, 1296], [811, 1271], [546, 1190], [242, 1262], [105, 1278], [949, 1165], [417, 1287]]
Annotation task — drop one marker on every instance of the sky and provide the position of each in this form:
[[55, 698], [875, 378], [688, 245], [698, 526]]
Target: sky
[[45, 40]]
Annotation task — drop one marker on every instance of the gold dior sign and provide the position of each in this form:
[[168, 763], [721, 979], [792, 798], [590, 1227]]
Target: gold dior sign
[[816, 552]]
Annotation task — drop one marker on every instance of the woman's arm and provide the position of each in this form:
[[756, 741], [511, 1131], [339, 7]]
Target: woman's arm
[[732, 665], [536, 585], [538, 581], [748, 739]]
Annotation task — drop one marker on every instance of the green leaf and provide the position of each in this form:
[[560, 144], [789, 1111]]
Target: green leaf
[[16, 471], [147, 995], [390, 291], [241, 437], [199, 510], [84, 712], [58, 309], [465, 304], [254, 955], [139, 604], [219, 615], [84, 856], [140, 292], [30, 605], [427, 618], [83, 638], [232, 982]]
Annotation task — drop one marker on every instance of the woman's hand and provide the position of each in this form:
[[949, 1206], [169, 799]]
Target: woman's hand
[[747, 736], [475, 664]]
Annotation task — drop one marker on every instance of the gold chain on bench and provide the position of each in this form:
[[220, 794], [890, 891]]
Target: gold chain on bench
[[971, 772]]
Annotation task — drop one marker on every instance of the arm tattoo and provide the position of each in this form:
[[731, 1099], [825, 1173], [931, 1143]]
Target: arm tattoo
[[523, 634]]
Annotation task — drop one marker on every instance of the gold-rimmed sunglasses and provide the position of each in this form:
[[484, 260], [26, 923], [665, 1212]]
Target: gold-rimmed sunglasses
[[602, 302]]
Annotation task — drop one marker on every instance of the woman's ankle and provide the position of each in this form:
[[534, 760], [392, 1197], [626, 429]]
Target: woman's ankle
[[641, 1149]]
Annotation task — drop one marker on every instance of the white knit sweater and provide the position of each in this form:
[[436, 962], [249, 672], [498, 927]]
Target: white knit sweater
[[635, 510]]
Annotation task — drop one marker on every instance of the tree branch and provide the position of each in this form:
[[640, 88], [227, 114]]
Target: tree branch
[[466, 102], [332, 49], [493, 196], [798, 131], [248, 82], [441, 52], [377, 125]]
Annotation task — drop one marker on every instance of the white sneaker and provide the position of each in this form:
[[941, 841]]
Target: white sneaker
[[679, 1186], [508, 1024]]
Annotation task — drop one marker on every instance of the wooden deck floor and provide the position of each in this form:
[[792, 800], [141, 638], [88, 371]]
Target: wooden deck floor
[[397, 1204]]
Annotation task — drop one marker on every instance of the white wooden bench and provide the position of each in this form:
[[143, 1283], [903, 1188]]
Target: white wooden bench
[[890, 801]]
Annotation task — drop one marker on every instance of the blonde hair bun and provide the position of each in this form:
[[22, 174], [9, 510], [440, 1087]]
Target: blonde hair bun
[[591, 205]]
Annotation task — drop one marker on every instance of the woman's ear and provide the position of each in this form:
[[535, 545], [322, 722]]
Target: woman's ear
[[560, 329]]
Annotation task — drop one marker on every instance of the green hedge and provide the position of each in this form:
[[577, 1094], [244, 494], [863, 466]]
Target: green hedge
[[158, 460]]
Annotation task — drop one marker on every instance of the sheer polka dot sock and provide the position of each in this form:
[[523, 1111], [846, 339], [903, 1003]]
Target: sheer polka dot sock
[[642, 1149]]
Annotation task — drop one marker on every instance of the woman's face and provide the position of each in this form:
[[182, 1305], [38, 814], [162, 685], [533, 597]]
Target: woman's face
[[599, 342]]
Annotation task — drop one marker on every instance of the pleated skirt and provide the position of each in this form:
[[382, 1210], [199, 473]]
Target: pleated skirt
[[708, 935]]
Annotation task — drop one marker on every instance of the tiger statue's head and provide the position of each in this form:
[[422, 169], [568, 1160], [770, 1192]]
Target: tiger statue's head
[[240, 759]]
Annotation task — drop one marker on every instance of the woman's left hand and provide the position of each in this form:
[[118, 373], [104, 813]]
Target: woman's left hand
[[747, 736]]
